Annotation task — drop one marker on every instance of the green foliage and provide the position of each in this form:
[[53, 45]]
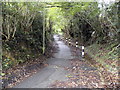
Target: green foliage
[[22, 32], [23, 25], [86, 17]]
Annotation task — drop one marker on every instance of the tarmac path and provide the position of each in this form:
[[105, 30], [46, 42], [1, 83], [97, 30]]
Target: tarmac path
[[54, 71]]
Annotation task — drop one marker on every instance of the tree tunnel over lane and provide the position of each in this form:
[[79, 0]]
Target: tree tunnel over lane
[[84, 22], [72, 19]]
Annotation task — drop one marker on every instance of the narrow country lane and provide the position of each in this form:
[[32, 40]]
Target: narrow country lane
[[60, 44], [54, 71], [65, 70]]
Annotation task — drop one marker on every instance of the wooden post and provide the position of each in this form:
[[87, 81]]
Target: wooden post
[[83, 51], [76, 44]]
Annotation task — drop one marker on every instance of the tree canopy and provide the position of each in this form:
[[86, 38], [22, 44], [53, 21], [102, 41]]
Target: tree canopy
[[28, 27]]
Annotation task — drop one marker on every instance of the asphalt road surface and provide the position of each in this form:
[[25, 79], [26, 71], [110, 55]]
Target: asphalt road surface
[[54, 71]]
